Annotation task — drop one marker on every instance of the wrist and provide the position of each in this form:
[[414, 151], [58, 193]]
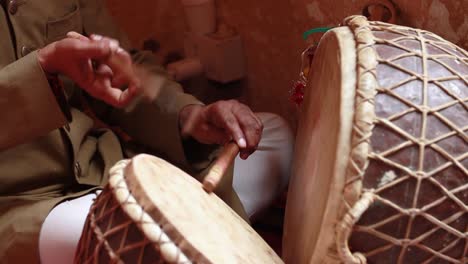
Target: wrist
[[187, 117], [43, 56], [57, 89], [185, 113]]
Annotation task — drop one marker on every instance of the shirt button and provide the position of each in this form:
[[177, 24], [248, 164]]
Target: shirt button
[[13, 7], [25, 50], [77, 169]]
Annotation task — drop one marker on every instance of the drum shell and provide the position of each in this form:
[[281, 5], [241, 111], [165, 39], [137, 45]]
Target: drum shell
[[105, 216]]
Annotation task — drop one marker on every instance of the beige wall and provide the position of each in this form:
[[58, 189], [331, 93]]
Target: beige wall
[[272, 29]]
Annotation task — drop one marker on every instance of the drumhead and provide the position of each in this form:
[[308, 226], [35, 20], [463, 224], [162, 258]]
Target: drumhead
[[321, 151], [202, 225]]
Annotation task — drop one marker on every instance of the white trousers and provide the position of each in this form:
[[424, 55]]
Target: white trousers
[[257, 180]]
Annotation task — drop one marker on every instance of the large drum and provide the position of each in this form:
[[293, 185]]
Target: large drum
[[381, 159], [152, 212]]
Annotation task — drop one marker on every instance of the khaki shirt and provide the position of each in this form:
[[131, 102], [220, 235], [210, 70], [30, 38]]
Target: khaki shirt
[[45, 158]]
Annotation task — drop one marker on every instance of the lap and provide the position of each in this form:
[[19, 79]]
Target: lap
[[259, 179], [62, 230]]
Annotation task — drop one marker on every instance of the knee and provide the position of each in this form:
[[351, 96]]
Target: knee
[[278, 139], [277, 129], [264, 175]]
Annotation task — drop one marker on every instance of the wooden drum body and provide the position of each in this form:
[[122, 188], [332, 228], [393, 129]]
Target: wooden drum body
[[152, 212], [381, 161]]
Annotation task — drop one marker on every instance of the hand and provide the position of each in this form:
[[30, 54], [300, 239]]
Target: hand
[[75, 57], [221, 122], [119, 62]]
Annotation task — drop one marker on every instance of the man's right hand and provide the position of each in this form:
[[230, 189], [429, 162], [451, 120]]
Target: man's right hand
[[75, 58]]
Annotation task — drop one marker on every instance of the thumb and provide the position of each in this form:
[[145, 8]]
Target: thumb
[[76, 35], [94, 50]]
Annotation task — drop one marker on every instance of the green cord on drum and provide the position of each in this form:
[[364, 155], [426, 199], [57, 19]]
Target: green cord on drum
[[315, 30]]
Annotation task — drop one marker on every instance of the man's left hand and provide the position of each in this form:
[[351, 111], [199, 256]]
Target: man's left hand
[[221, 122]]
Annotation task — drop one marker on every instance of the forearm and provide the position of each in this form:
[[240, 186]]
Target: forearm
[[28, 106]]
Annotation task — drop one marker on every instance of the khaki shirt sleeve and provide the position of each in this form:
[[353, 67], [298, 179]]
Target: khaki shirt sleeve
[[28, 107]]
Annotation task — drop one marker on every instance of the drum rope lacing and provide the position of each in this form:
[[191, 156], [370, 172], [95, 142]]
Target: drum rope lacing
[[362, 132], [155, 235], [361, 152]]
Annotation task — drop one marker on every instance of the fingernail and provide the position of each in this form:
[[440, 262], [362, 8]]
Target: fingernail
[[113, 45], [96, 37], [72, 34], [242, 143]]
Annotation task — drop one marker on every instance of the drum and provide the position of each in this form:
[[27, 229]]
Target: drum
[[380, 172], [152, 212]]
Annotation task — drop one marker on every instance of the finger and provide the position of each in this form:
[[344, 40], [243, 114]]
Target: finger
[[245, 154], [251, 127], [224, 118], [121, 77], [127, 96], [113, 43], [207, 134], [76, 35], [95, 86], [105, 71], [97, 37], [86, 73], [93, 50], [119, 82], [121, 61], [102, 89], [247, 111], [259, 122], [192, 119]]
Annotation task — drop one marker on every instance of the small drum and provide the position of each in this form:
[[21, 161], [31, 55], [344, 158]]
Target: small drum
[[152, 212], [381, 159]]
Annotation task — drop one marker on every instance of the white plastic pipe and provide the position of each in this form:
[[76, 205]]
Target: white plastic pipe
[[200, 16], [185, 69]]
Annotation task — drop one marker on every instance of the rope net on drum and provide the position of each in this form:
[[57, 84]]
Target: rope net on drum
[[119, 230], [436, 179]]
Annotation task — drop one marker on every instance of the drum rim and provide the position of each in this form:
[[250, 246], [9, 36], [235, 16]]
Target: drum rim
[[349, 182], [342, 150], [192, 250], [145, 223], [357, 201]]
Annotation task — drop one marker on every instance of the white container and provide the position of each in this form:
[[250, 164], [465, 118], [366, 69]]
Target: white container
[[222, 57], [200, 16]]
